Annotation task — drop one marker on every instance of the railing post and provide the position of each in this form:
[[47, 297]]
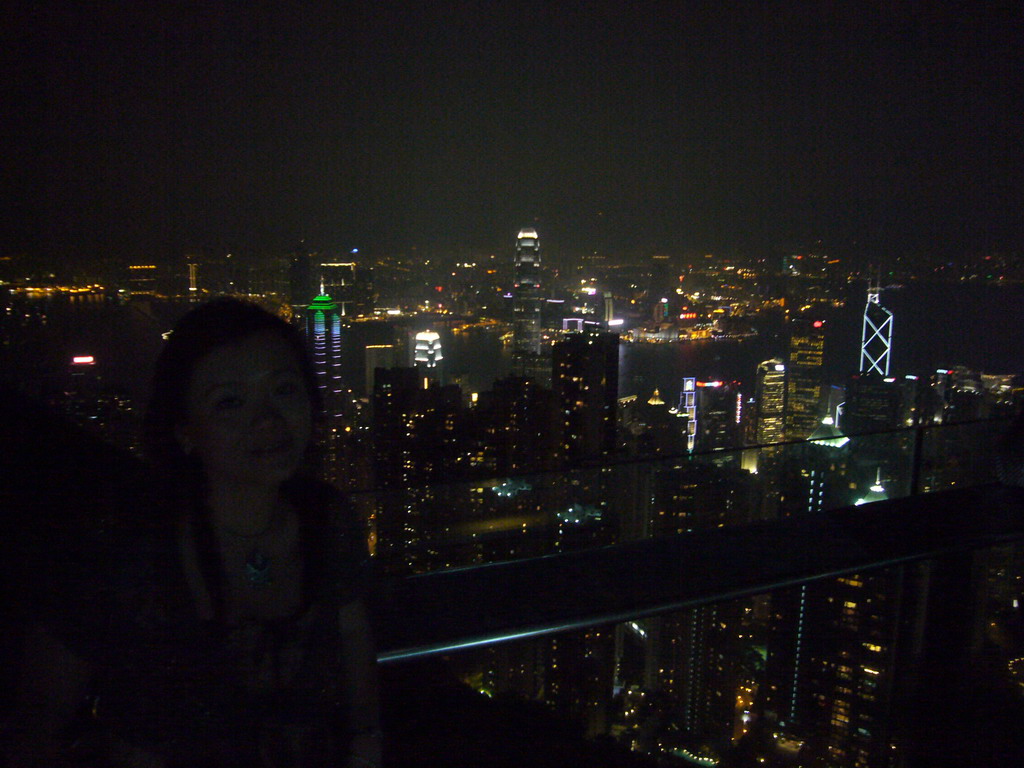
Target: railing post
[[918, 460], [940, 718]]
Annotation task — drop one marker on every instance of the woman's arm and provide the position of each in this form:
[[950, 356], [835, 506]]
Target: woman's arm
[[361, 698], [53, 685]]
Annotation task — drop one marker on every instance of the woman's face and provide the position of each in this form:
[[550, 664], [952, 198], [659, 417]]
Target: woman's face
[[249, 418]]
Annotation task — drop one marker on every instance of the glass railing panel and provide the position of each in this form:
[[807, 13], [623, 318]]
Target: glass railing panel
[[467, 523], [865, 669], [959, 455]]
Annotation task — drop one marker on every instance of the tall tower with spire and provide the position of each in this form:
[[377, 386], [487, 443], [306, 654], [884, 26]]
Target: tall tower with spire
[[528, 357], [876, 334], [873, 399]]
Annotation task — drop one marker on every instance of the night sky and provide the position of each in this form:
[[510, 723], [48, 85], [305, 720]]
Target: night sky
[[879, 129]]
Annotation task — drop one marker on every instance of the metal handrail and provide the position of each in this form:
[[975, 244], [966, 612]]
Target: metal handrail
[[447, 611]]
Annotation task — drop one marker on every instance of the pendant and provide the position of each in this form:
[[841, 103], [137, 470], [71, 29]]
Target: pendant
[[257, 568]]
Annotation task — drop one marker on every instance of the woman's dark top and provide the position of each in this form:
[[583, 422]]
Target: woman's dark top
[[197, 692]]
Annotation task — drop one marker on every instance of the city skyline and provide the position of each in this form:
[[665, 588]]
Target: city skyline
[[164, 130], [449, 477]]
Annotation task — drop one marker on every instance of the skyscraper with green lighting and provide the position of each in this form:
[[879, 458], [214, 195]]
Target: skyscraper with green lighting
[[323, 331]]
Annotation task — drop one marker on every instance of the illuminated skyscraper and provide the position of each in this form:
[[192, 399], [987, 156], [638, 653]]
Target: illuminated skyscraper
[[804, 377], [688, 406], [428, 354], [526, 305], [876, 336], [770, 399], [323, 330]]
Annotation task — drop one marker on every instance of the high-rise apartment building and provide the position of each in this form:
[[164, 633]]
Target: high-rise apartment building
[[416, 429], [810, 484], [417, 440], [585, 378], [804, 377], [838, 682], [699, 654], [520, 427]]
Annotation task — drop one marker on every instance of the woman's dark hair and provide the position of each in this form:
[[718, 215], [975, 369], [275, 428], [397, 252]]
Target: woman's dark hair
[[204, 329]]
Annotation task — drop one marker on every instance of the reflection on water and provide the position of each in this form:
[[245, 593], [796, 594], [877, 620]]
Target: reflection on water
[[646, 367], [123, 338], [935, 325]]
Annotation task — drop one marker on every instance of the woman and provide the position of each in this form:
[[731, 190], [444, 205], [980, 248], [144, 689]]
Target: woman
[[231, 631]]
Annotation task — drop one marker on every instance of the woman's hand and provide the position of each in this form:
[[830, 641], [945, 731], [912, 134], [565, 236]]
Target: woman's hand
[[365, 751], [53, 685], [360, 693]]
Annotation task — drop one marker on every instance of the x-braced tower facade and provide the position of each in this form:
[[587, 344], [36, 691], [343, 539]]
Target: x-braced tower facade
[[876, 335]]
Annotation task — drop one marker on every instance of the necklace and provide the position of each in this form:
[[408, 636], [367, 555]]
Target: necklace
[[257, 563], [257, 568]]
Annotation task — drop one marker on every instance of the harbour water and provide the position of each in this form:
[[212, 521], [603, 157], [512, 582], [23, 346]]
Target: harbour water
[[935, 326]]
